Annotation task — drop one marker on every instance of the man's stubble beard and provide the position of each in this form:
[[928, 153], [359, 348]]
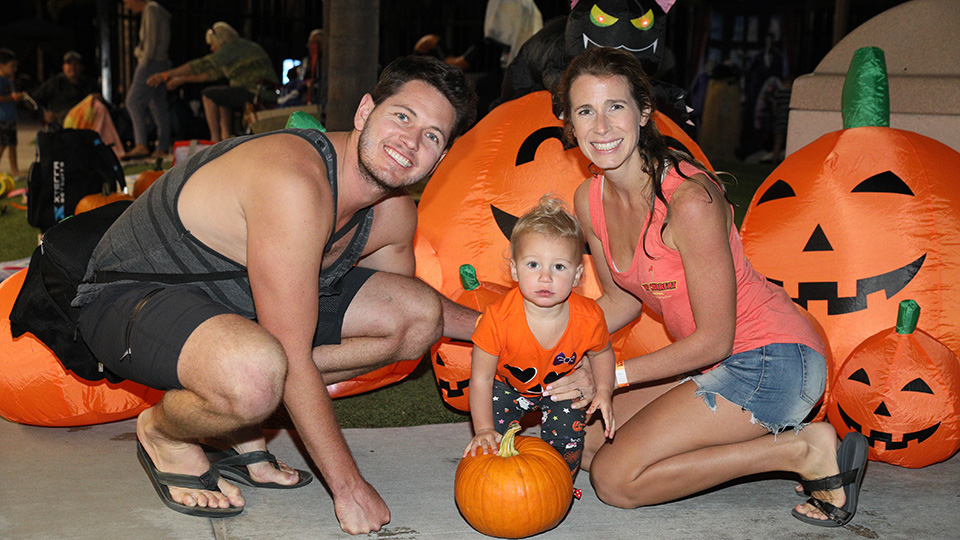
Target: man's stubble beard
[[367, 172]]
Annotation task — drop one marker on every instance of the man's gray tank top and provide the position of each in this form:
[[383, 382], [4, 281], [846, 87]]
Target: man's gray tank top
[[149, 238]]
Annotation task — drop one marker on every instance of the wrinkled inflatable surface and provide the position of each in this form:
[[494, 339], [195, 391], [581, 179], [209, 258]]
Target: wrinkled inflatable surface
[[35, 388]]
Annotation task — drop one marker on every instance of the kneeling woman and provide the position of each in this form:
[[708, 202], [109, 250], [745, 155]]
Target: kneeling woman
[[662, 232]]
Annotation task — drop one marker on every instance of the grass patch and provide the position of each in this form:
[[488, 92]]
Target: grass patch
[[19, 238]]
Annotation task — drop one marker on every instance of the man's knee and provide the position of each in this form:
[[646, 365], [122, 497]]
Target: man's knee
[[420, 322], [258, 385], [244, 371]]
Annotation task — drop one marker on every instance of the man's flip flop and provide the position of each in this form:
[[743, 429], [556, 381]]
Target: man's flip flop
[[852, 459], [233, 466], [162, 481]]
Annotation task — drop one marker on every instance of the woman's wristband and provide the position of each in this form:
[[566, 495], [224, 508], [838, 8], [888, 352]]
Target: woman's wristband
[[621, 373]]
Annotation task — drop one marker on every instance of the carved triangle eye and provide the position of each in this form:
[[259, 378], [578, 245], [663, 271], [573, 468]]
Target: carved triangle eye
[[860, 376], [917, 385], [779, 190], [885, 182]]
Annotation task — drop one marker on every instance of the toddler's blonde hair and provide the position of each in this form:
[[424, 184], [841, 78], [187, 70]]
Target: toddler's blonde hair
[[550, 218]]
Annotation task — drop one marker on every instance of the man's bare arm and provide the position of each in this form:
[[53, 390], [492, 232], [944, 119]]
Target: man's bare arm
[[392, 245], [286, 232]]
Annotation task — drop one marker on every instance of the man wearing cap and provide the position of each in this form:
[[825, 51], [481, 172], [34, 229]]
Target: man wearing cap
[[60, 93]]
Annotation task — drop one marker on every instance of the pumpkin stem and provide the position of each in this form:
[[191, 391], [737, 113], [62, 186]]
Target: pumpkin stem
[[907, 317], [468, 278], [866, 90], [507, 448]]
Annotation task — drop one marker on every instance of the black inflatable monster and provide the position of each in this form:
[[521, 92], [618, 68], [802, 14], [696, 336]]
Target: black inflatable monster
[[636, 26]]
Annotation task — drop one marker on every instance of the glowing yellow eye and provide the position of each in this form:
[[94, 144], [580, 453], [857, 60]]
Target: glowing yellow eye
[[599, 18], [644, 23]]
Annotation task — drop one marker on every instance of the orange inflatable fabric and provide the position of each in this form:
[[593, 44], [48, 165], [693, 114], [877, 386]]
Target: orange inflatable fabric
[[900, 388], [375, 379], [36, 389], [491, 176], [857, 221]]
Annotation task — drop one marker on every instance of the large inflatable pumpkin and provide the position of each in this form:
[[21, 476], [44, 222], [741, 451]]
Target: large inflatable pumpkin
[[861, 219], [900, 388], [35, 389], [493, 174]]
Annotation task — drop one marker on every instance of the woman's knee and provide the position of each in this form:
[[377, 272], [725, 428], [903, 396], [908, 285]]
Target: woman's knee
[[611, 483]]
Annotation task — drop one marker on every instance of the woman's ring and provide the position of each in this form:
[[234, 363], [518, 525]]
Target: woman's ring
[[580, 392]]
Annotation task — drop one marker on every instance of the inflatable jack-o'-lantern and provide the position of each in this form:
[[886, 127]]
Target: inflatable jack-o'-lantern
[[493, 174], [451, 358], [900, 388], [861, 219], [36, 389]]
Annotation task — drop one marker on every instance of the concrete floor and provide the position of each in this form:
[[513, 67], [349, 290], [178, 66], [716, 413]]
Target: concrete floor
[[86, 483]]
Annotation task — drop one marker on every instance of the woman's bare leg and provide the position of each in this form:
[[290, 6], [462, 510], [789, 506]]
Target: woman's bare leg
[[677, 446]]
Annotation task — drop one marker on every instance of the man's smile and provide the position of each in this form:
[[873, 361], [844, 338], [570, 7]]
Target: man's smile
[[404, 162]]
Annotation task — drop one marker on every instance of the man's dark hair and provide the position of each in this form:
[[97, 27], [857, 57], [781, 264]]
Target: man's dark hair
[[447, 79], [7, 56]]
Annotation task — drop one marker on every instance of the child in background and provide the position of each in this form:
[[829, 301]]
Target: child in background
[[537, 333], [8, 108]]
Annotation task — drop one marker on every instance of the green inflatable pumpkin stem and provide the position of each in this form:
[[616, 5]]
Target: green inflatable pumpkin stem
[[907, 317], [507, 448], [866, 90], [468, 277], [302, 120]]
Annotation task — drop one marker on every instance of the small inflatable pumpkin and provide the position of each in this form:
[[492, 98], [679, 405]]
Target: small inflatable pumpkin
[[451, 358], [492, 175], [900, 388], [36, 389], [861, 219]]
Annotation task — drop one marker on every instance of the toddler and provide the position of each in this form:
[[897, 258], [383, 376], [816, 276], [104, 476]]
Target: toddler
[[537, 333]]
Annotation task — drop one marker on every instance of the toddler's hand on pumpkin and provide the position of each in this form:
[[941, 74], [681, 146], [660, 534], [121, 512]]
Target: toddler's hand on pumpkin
[[483, 439]]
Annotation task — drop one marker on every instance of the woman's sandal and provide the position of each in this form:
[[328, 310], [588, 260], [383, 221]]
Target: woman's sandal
[[852, 460]]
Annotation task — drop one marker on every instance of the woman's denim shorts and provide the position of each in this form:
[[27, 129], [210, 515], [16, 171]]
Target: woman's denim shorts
[[779, 384]]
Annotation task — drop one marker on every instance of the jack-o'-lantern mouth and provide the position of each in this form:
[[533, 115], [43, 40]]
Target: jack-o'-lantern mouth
[[587, 42], [887, 438], [890, 282]]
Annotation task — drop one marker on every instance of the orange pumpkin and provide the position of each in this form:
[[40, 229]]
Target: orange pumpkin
[[35, 389], [901, 388], [147, 178], [451, 358], [857, 221], [494, 173], [523, 489], [100, 199]]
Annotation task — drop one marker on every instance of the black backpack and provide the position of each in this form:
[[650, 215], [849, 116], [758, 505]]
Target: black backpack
[[70, 164], [56, 269]]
